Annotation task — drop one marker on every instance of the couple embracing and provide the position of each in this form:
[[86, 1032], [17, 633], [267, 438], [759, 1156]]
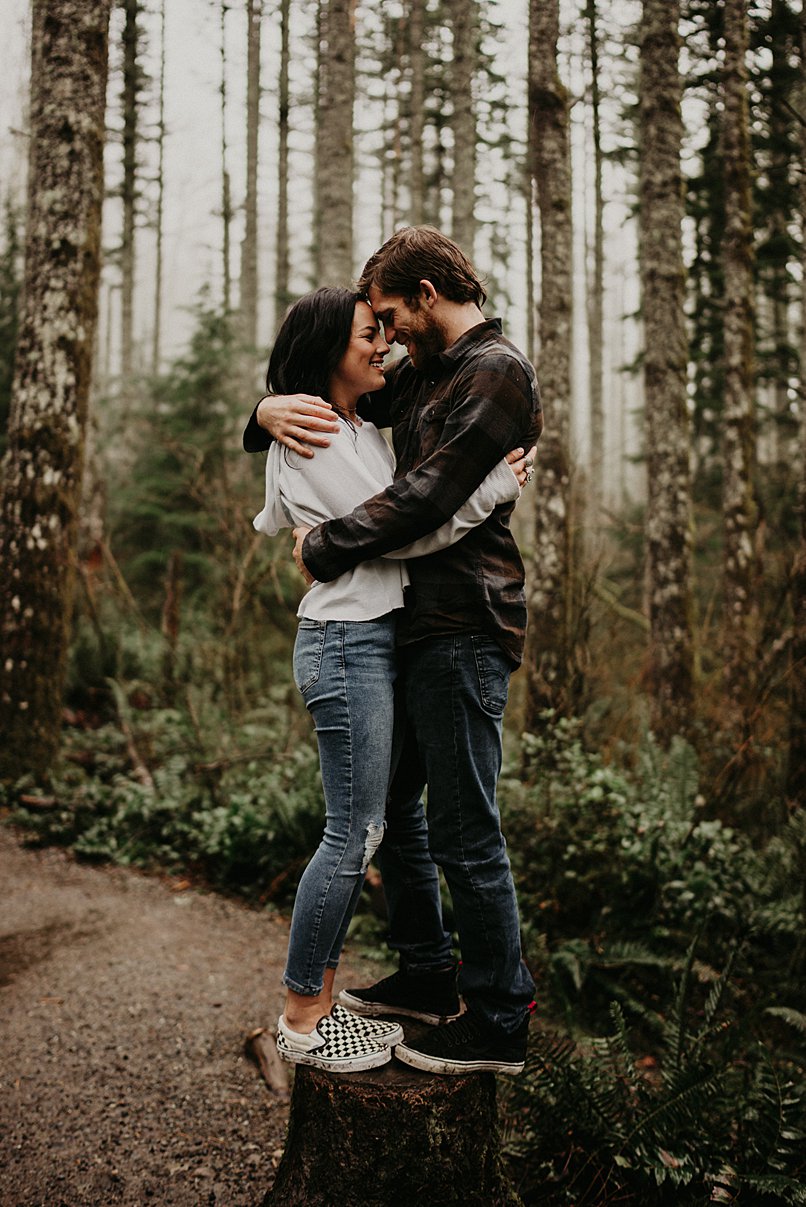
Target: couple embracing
[[413, 623]]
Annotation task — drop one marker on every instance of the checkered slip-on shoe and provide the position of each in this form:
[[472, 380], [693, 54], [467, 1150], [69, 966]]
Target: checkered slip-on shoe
[[376, 1029], [330, 1046]]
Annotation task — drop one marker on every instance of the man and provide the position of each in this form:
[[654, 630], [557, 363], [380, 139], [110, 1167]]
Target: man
[[458, 402]]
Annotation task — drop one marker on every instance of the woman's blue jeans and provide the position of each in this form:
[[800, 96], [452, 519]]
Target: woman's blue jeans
[[346, 671]]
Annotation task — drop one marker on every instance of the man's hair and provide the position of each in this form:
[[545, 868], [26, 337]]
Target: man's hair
[[417, 253], [311, 341]]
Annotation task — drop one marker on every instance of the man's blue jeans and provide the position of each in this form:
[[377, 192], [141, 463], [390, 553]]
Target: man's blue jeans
[[456, 691], [346, 671]]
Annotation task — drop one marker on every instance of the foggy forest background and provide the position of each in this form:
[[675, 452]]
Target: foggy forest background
[[628, 177]]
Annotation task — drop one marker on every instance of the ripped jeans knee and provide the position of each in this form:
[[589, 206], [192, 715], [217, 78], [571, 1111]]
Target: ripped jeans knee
[[374, 838]]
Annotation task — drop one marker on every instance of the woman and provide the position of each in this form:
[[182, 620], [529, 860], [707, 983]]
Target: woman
[[330, 344]]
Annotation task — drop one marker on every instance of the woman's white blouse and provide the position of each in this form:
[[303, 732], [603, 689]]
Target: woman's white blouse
[[358, 464]]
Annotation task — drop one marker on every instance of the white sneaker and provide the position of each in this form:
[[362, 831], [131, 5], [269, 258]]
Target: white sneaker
[[330, 1046], [376, 1029]]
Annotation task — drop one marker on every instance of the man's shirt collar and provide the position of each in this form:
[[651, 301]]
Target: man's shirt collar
[[460, 347]]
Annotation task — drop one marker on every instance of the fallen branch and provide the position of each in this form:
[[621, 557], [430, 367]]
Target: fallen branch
[[261, 1048], [607, 597], [37, 802]]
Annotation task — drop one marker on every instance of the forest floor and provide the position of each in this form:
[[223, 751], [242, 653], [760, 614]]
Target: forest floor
[[125, 1002]]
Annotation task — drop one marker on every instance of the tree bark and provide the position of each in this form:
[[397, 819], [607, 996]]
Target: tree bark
[[549, 671], [249, 246], [668, 528], [464, 24], [44, 461], [738, 505], [282, 296], [156, 338], [417, 115], [334, 167], [226, 192], [796, 777], [391, 1136], [596, 286], [131, 101]]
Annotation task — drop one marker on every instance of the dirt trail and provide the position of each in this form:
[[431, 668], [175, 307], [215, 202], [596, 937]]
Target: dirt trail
[[124, 1004]]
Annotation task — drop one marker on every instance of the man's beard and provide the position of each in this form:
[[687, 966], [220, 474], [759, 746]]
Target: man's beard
[[427, 342]]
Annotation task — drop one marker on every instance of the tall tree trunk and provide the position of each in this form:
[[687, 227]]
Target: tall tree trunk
[[669, 503], [226, 192], [131, 99], [249, 246], [282, 296], [417, 116], [738, 426], [528, 192], [334, 167], [44, 461], [596, 289], [464, 23], [549, 658], [796, 777], [155, 343]]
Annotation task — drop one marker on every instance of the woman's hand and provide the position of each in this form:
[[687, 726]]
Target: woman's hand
[[299, 536], [297, 420], [521, 464]]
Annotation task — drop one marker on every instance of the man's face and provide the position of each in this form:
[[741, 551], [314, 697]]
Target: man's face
[[414, 327]]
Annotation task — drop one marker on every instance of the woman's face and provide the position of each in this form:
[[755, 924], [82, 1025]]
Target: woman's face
[[360, 370]]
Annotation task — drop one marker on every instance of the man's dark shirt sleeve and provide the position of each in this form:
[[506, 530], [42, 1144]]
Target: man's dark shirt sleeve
[[492, 410]]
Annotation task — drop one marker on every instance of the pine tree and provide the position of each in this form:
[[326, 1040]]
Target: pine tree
[[596, 283], [796, 777], [668, 510], [158, 218], [249, 246], [10, 281], [464, 19], [334, 165], [738, 421], [549, 656], [132, 89], [226, 187], [43, 466], [282, 296]]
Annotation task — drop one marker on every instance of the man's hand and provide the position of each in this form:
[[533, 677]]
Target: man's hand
[[296, 420], [299, 536], [521, 464]]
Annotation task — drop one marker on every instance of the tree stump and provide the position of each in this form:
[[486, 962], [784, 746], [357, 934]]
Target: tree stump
[[389, 1136]]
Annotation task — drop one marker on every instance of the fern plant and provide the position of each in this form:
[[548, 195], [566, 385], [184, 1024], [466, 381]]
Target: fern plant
[[713, 1112]]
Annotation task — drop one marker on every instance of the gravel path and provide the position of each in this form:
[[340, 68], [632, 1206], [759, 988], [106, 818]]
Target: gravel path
[[125, 1001]]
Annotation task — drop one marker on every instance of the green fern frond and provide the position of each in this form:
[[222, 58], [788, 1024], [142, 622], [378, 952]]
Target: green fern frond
[[794, 1017], [788, 1190]]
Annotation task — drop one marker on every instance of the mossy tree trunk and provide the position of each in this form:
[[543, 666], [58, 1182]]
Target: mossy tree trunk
[[796, 778], [45, 455], [464, 20], [282, 295], [668, 525], [249, 245], [596, 282], [738, 443], [132, 84], [549, 681], [334, 166]]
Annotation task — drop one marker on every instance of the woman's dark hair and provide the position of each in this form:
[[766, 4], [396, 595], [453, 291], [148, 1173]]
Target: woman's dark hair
[[311, 341]]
